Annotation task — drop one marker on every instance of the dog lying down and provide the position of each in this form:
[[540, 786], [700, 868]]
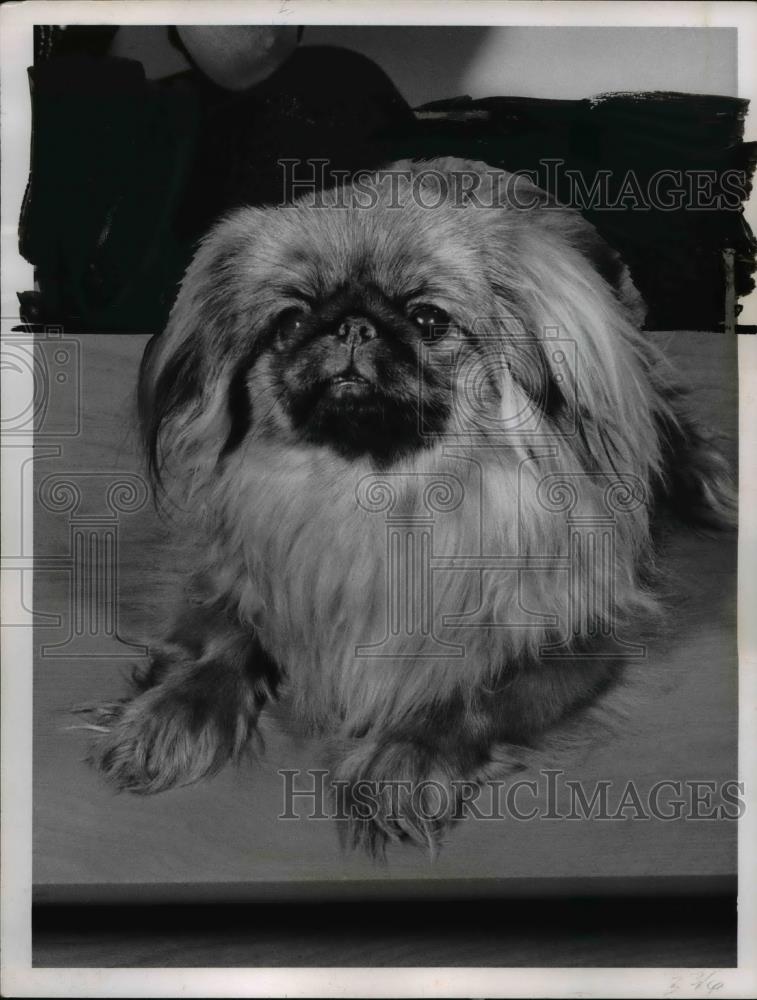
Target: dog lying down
[[423, 439]]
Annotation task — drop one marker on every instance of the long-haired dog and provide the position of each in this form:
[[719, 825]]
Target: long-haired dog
[[423, 437]]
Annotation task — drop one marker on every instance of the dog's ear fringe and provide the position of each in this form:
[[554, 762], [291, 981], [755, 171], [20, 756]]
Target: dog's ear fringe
[[160, 395], [637, 412], [607, 388], [182, 366]]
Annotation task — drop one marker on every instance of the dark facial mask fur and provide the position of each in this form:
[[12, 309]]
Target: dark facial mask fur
[[352, 372]]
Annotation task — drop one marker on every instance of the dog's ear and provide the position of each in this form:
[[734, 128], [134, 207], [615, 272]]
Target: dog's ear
[[608, 264], [187, 369], [550, 267]]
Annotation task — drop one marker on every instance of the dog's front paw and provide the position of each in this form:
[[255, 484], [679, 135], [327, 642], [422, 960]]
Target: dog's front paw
[[162, 738], [397, 791]]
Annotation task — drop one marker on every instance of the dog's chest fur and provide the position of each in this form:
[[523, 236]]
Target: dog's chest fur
[[368, 586]]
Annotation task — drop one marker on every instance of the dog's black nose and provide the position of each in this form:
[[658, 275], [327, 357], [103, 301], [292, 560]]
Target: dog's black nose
[[356, 330]]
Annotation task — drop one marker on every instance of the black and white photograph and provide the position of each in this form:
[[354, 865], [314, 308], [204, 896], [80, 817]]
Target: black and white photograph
[[378, 499]]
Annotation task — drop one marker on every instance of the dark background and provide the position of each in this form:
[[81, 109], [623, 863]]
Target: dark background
[[128, 172]]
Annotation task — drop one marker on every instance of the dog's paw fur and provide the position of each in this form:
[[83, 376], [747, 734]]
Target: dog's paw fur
[[395, 791], [168, 735]]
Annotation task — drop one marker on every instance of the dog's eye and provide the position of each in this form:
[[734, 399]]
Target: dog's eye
[[432, 321], [289, 324]]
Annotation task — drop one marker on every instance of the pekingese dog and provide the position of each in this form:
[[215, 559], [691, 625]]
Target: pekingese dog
[[423, 437]]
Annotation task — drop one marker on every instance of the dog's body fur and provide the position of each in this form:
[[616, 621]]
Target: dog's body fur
[[279, 471]]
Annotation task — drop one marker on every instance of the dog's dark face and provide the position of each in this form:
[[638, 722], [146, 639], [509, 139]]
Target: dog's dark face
[[357, 323], [359, 331], [356, 371]]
